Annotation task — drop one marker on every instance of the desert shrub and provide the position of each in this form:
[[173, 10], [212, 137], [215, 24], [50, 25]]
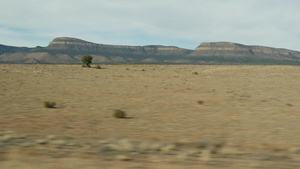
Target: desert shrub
[[200, 102], [49, 104], [98, 67], [87, 60], [119, 114]]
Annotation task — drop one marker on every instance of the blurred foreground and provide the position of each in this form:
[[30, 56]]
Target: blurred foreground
[[21, 151]]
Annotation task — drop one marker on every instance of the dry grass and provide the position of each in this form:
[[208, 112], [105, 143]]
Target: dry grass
[[247, 105]]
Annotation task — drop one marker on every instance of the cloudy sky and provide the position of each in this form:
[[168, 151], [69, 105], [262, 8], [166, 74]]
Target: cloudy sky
[[182, 23]]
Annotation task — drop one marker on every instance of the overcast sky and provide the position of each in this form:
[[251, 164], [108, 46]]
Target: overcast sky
[[182, 23]]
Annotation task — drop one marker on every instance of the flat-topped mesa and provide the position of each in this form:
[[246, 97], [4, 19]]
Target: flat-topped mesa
[[235, 47], [67, 42], [67, 50], [224, 46]]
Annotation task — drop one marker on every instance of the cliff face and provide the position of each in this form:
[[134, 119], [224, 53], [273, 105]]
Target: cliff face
[[67, 50]]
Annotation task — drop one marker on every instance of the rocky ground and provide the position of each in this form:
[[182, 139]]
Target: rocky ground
[[177, 117]]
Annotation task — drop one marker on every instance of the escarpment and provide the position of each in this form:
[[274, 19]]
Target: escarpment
[[67, 50], [82, 46], [234, 53]]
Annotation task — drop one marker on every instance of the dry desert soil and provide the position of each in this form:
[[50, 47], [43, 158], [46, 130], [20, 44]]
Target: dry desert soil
[[178, 116]]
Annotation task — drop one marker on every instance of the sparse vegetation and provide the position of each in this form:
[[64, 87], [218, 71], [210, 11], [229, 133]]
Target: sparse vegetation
[[49, 104], [119, 114], [87, 60], [209, 120], [200, 102]]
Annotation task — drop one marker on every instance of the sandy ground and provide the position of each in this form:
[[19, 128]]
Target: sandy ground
[[248, 116]]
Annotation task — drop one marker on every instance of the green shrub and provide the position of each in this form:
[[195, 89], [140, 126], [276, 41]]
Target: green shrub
[[87, 60], [120, 114], [49, 104], [98, 67]]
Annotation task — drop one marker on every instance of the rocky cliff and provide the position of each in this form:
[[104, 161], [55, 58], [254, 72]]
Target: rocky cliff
[[67, 50]]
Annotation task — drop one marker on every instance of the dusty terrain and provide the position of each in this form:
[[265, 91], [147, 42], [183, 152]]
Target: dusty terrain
[[178, 116]]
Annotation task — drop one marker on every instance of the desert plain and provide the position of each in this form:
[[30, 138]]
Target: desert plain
[[178, 116]]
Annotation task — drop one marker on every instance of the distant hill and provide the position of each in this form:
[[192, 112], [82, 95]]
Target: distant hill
[[67, 50]]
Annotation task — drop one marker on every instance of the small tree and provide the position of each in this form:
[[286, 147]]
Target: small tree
[[87, 60]]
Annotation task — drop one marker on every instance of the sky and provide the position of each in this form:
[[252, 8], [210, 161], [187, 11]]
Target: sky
[[182, 23]]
